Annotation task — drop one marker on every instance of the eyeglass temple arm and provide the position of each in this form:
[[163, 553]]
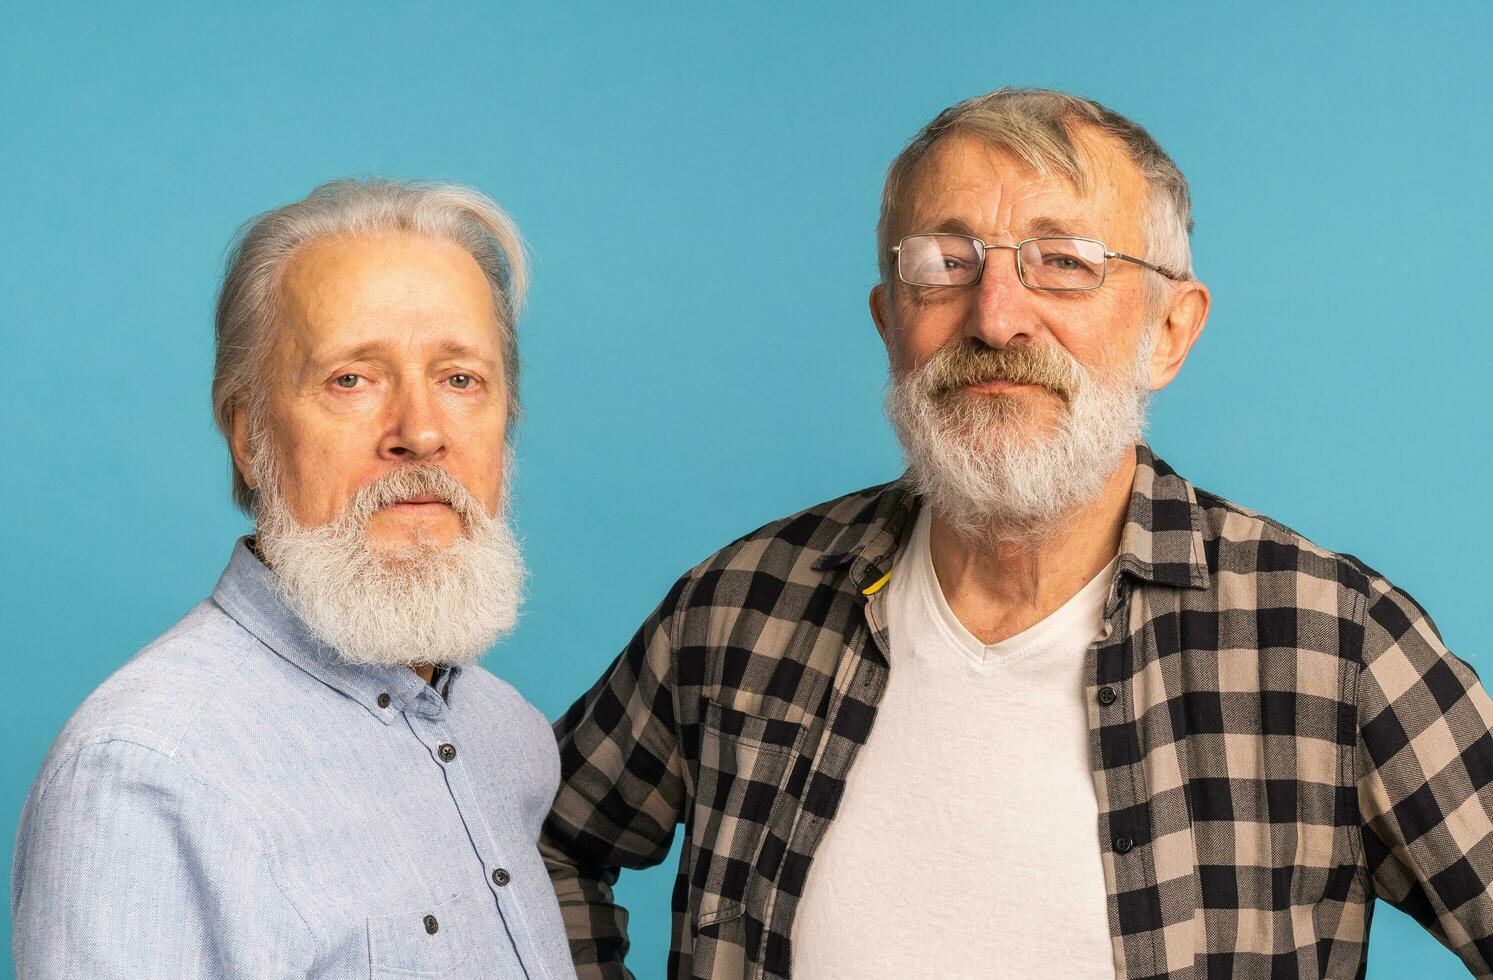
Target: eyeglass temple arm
[[1142, 262]]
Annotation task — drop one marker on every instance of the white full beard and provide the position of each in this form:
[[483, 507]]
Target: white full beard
[[985, 470], [413, 605]]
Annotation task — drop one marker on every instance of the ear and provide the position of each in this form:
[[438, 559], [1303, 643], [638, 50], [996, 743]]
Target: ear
[[1179, 330], [238, 445], [879, 301]]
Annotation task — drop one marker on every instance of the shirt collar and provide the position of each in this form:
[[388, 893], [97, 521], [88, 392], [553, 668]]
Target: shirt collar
[[1161, 542], [248, 592], [869, 540]]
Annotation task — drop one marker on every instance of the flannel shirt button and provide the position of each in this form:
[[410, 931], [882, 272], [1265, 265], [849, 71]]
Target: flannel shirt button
[[1107, 696], [1123, 845], [432, 926], [383, 700], [447, 751], [501, 877]]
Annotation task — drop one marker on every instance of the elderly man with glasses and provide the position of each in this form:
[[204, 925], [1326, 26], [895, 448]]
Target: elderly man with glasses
[[1041, 707]]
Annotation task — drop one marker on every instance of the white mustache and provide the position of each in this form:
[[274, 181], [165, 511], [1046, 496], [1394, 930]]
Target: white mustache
[[414, 481]]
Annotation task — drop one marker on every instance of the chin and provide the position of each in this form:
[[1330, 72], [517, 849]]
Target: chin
[[404, 550], [402, 536], [999, 422]]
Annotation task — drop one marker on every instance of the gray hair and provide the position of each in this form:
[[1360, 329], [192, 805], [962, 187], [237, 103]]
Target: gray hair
[[264, 245], [1037, 125]]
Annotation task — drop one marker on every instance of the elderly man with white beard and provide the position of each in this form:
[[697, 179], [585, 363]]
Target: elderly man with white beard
[[1040, 708], [308, 775]]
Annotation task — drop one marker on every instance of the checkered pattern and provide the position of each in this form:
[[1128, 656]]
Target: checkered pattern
[[1278, 737]]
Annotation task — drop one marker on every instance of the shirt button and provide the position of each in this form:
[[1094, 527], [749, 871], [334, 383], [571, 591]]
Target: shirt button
[[432, 926], [447, 751], [1107, 696], [383, 700], [1123, 845], [501, 877]]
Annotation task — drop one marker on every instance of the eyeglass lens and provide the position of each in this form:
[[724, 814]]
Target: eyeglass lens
[[1045, 263]]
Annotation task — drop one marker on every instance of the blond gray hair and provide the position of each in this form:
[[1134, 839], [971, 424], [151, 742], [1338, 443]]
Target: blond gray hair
[[264, 245], [1038, 127]]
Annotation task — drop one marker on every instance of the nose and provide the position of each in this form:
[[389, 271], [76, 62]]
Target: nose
[[1002, 311], [415, 430]]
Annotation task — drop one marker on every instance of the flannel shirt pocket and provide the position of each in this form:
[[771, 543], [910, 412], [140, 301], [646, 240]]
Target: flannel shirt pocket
[[743, 761]]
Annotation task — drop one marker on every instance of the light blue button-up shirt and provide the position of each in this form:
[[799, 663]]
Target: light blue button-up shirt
[[239, 802]]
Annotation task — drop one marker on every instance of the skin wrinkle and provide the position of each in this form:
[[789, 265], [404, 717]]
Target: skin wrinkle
[[1005, 575]]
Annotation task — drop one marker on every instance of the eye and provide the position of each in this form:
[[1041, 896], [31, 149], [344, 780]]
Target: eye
[[461, 382], [347, 380]]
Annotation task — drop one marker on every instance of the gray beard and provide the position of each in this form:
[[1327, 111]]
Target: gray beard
[[985, 468], [407, 606]]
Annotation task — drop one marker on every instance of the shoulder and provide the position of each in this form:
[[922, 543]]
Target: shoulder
[[157, 697], [1288, 570], [190, 676], [1244, 542], [792, 548]]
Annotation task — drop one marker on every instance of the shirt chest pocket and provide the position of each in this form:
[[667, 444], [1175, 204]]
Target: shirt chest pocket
[[743, 765], [434, 941]]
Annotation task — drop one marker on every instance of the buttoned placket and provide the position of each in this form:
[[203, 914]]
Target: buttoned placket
[[429, 718], [1120, 783]]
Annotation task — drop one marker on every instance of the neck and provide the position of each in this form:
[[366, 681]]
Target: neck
[[997, 587]]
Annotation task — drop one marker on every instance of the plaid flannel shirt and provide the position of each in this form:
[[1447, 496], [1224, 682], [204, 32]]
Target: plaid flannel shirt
[[1277, 737]]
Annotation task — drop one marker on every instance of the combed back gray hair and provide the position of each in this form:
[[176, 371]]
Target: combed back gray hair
[[264, 245], [1037, 126]]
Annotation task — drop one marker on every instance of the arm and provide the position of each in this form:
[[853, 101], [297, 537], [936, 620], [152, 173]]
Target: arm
[[127, 866], [1425, 778], [622, 791]]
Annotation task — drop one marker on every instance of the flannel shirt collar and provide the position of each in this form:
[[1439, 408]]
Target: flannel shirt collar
[[1162, 540]]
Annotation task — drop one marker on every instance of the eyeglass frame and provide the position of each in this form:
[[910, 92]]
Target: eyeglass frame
[[1020, 268]]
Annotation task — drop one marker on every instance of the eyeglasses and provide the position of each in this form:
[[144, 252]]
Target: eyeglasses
[[1059, 264]]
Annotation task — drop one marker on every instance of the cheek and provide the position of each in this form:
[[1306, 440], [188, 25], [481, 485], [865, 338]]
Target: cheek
[[1102, 337], [321, 466], [911, 345], [477, 459], [924, 323], [494, 492]]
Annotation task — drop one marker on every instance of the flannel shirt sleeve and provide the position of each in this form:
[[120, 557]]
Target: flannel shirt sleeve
[[1425, 778], [622, 792]]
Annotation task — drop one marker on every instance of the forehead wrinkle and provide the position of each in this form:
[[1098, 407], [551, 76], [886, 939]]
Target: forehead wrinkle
[[985, 189], [1118, 188], [338, 302], [1002, 195]]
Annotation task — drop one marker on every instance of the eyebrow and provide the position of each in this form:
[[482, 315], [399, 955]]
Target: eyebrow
[[1044, 226], [952, 226], [1058, 228], [452, 348]]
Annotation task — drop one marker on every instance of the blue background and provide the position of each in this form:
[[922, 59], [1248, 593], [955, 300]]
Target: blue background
[[1338, 156]]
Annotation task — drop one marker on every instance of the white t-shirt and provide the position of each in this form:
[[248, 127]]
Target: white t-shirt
[[967, 841]]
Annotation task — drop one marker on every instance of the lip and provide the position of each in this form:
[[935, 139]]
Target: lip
[[418, 506], [1001, 387]]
